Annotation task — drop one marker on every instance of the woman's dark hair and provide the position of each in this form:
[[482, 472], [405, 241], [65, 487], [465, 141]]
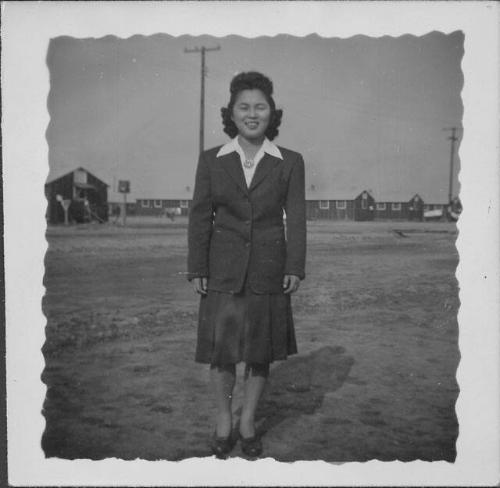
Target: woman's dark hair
[[251, 81]]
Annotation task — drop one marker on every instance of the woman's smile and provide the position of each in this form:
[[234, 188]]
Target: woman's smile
[[252, 126]]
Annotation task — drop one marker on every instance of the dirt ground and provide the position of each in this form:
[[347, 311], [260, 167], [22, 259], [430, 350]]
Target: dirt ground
[[376, 329]]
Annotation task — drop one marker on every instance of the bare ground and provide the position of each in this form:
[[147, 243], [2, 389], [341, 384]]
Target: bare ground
[[376, 328]]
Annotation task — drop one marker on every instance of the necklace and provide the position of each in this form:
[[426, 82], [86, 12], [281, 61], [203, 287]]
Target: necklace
[[248, 163]]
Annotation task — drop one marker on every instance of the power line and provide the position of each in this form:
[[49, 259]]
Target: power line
[[202, 50]]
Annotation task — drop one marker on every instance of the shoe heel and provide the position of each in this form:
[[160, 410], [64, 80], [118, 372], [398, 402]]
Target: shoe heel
[[251, 446], [221, 446]]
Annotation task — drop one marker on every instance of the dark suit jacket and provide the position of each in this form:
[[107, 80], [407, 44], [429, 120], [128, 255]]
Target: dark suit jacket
[[237, 232]]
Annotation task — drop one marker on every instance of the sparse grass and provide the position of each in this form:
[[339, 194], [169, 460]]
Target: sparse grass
[[376, 328]]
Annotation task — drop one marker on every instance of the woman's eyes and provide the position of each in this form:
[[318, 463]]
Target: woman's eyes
[[257, 107]]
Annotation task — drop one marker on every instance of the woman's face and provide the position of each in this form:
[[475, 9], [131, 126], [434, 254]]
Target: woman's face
[[251, 114]]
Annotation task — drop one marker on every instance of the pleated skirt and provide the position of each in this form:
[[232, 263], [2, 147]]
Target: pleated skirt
[[255, 329]]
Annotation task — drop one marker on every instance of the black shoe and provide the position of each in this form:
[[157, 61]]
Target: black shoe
[[221, 446], [251, 446]]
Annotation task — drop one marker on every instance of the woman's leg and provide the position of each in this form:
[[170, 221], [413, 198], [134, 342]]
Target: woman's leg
[[255, 382], [223, 380]]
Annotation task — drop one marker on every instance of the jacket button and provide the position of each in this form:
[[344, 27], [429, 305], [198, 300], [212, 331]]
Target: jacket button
[[247, 244], [247, 222]]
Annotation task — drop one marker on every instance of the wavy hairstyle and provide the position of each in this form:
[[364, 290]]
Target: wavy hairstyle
[[251, 80]]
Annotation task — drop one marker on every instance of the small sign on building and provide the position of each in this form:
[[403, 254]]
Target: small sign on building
[[124, 186]]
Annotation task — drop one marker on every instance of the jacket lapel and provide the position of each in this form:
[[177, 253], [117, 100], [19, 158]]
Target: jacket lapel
[[232, 165], [265, 166]]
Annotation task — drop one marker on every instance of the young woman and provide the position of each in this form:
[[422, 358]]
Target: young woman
[[240, 261]]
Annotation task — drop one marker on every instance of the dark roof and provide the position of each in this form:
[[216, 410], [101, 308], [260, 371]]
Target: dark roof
[[335, 195], [72, 171]]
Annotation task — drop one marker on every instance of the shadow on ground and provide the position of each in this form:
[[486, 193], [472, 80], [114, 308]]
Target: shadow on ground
[[298, 386]]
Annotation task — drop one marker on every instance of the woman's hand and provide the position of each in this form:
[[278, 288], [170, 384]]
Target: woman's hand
[[200, 285], [290, 283]]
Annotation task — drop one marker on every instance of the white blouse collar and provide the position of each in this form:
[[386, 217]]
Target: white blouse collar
[[234, 146]]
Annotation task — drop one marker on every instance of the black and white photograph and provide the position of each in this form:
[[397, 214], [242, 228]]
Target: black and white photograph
[[370, 350], [252, 246]]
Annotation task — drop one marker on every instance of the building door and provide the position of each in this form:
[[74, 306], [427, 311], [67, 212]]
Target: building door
[[364, 207]]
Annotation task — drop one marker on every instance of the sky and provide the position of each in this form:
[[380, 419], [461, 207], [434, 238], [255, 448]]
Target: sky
[[366, 113]]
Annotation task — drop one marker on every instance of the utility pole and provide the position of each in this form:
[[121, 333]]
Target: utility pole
[[452, 138], [202, 50]]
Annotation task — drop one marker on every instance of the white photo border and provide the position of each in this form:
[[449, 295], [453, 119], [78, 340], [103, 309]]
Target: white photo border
[[27, 28]]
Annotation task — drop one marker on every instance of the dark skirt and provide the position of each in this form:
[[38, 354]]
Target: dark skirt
[[244, 327]]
